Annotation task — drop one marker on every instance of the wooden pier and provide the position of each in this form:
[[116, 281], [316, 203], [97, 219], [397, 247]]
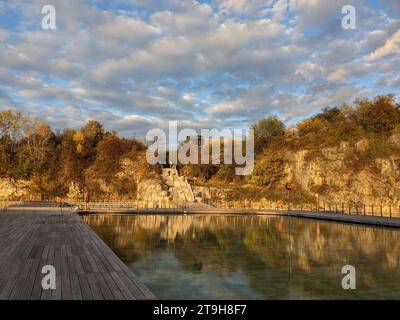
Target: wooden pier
[[86, 268]]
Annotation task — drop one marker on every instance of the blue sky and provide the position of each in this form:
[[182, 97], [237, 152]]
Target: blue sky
[[135, 64]]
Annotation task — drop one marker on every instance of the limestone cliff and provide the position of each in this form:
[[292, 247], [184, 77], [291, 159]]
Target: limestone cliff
[[348, 173], [335, 175]]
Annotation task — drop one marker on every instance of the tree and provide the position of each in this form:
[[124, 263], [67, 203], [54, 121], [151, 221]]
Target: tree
[[71, 163], [93, 132], [331, 115], [380, 116], [12, 125], [265, 130], [109, 152], [11, 131], [41, 142]]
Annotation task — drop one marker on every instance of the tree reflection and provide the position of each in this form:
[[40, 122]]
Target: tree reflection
[[257, 247]]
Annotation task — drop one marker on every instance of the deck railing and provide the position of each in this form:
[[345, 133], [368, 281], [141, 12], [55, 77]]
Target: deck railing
[[388, 211], [125, 205]]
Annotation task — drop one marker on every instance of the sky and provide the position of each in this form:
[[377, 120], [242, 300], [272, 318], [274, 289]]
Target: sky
[[136, 64]]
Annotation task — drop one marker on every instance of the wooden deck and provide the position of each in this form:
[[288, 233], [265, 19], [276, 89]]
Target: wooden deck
[[327, 216], [86, 268]]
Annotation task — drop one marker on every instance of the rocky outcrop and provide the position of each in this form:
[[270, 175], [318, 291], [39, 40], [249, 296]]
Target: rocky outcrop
[[329, 177], [153, 190], [178, 185], [332, 175], [169, 186]]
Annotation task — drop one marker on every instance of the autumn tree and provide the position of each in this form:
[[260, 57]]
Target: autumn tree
[[71, 164], [12, 125], [380, 115], [93, 132], [109, 152], [11, 131], [266, 130]]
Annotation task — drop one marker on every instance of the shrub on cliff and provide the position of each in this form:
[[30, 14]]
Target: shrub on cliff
[[379, 116], [367, 118], [265, 131], [268, 170]]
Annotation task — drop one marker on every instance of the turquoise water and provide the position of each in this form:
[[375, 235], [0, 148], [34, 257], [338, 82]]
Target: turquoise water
[[249, 257]]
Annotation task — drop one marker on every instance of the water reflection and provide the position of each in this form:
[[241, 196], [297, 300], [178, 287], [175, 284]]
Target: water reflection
[[237, 257]]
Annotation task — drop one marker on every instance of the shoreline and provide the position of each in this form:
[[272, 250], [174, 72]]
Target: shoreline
[[368, 220], [324, 216]]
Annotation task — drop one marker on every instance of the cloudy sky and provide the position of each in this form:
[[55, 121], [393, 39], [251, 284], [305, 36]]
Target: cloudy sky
[[135, 64]]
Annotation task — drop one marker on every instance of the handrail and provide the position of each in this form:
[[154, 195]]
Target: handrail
[[125, 205], [388, 211]]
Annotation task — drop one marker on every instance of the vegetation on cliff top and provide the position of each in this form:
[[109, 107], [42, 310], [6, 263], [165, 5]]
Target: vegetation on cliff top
[[366, 128], [31, 150]]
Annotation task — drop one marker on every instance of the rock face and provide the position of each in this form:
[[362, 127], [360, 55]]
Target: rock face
[[329, 177], [170, 186], [153, 190], [333, 176], [178, 186]]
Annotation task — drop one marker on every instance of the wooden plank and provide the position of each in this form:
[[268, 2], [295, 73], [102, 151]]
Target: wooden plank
[[66, 291], [94, 287], [105, 290], [56, 294], [122, 286], [85, 267], [30, 280], [85, 288], [47, 294], [115, 291], [75, 287]]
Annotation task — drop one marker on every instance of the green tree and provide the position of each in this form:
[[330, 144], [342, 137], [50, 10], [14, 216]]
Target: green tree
[[266, 130]]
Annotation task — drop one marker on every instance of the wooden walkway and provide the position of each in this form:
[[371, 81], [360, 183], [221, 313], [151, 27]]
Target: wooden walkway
[[349, 218], [328, 216], [86, 268]]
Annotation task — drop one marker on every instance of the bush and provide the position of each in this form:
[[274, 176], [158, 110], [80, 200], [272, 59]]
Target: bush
[[380, 116], [269, 170]]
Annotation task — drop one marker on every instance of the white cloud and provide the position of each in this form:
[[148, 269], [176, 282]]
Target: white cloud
[[224, 63], [280, 10], [392, 46], [121, 28], [308, 71], [233, 5], [198, 18]]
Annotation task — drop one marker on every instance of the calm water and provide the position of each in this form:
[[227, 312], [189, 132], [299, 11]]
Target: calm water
[[237, 257]]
